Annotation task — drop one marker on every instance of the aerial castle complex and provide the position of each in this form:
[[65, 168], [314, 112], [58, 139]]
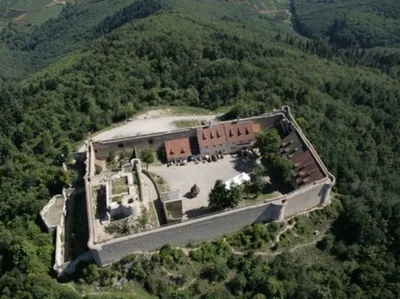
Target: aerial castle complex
[[313, 180], [132, 207]]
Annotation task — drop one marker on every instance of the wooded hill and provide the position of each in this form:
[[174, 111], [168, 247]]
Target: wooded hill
[[365, 23], [207, 54]]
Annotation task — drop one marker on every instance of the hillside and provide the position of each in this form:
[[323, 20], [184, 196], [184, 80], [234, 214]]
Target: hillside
[[346, 23], [206, 54]]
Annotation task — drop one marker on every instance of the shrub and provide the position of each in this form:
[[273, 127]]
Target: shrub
[[217, 271]]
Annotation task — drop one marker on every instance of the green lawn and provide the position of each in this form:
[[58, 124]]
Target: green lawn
[[119, 186], [43, 15], [260, 199], [187, 123], [31, 4]]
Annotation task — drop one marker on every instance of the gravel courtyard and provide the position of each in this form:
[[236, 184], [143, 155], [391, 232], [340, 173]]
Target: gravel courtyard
[[182, 178]]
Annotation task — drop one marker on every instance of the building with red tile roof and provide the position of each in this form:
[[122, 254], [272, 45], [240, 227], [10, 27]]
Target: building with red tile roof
[[306, 169], [211, 139], [226, 138], [238, 133], [177, 149]]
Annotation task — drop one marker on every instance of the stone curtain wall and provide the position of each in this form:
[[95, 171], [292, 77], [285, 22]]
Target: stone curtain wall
[[214, 226]]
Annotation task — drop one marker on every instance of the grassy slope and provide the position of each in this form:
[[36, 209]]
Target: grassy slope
[[39, 46], [31, 4]]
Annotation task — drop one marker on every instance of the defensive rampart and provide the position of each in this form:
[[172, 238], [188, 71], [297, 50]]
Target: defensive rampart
[[213, 225]]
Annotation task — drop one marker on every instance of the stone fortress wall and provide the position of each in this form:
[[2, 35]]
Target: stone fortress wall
[[156, 140], [210, 226]]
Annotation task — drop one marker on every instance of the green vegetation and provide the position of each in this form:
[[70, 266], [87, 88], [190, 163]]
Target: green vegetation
[[208, 54], [31, 4], [119, 185], [187, 123], [221, 198], [268, 142], [147, 156], [42, 15], [349, 23], [278, 167]]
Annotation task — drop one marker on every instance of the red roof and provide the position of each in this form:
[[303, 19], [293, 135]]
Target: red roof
[[177, 148], [241, 131], [307, 169], [210, 136]]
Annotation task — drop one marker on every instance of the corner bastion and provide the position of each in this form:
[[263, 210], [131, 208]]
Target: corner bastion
[[209, 226]]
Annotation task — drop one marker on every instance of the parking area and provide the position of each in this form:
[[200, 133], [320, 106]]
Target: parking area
[[204, 175]]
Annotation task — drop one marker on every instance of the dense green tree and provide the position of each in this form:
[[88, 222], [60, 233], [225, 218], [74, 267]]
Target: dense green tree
[[221, 198], [279, 169], [91, 273], [268, 142], [147, 156], [218, 271]]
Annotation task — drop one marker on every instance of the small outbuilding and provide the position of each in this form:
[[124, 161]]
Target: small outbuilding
[[173, 208]]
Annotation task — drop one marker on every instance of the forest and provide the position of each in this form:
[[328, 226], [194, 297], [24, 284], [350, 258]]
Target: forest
[[365, 23], [208, 54]]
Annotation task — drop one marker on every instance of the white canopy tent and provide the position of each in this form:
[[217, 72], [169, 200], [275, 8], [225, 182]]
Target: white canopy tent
[[237, 180]]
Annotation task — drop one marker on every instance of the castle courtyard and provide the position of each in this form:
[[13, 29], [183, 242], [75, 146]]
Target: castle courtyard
[[204, 175]]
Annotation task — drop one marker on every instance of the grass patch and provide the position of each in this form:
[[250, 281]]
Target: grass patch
[[119, 186], [31, 4], [153, 220], [187, 123], [260, 199], [131, 290], [42, 15]]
